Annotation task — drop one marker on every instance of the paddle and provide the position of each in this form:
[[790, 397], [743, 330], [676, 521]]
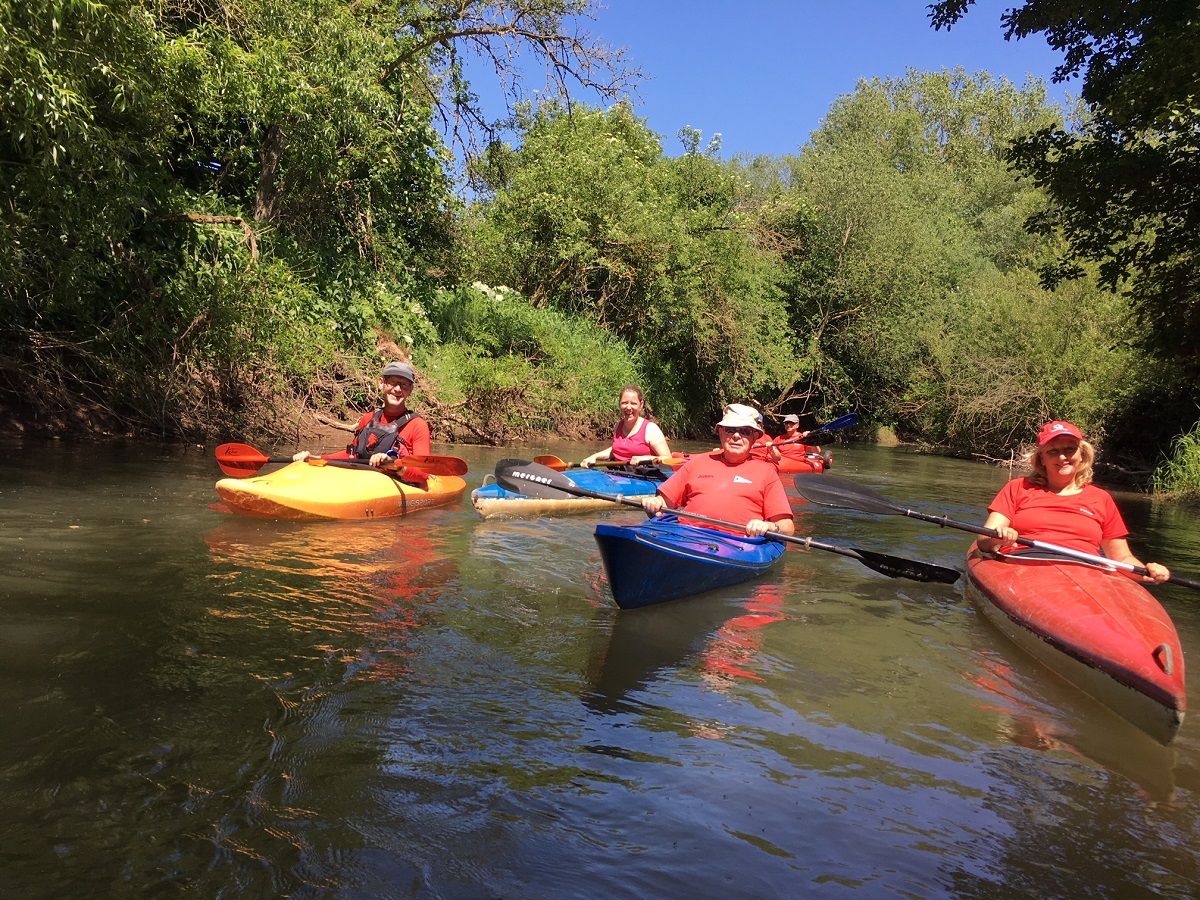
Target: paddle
[[534, 480], [842, 493], [836, 425], [663, 471], [242, 461], [561, 465]]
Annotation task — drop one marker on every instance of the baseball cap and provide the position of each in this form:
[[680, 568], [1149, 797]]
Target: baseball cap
[[398, 369], [1051, 430]]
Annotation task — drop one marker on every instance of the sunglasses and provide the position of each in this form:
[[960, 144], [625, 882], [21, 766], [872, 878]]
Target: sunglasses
[[744, 432], [1061, 451]]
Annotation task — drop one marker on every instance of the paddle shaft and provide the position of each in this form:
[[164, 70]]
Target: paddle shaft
[[1041, 545], [845, 494], [893, 567], [561, 465], [241, 460]]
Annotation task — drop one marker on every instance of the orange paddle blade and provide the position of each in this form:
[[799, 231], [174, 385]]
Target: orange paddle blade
[[552, 462], [435, 465], [242, 460]]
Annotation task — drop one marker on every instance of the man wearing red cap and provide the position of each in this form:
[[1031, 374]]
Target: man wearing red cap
[[1058, 504], [728, 483]]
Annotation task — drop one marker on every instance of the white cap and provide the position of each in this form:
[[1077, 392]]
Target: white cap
[[738, 416]]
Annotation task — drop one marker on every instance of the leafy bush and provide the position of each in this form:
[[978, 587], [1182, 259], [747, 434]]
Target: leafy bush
[[505, 369]]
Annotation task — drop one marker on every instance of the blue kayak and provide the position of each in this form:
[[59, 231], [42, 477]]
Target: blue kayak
[[664, 559], [492, 500]]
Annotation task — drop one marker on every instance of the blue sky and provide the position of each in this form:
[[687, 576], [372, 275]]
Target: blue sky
[[763, 73]]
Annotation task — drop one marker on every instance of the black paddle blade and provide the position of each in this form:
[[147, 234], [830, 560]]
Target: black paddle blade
[[897, 567], [842, 493], [533, 480]]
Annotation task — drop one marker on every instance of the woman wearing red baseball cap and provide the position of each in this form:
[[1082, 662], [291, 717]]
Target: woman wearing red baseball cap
[[1057, 503]]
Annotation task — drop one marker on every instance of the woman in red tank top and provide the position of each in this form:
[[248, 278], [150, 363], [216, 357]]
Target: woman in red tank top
[[635, 438]]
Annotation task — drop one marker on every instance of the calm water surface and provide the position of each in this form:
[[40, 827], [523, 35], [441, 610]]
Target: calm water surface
[[203, 704]]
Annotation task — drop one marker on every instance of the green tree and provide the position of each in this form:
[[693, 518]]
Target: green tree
[[588, 216], [235, 197], [910, 201], [1126, 184]]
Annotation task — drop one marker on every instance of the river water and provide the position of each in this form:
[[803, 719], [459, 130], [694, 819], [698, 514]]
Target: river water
[[441, 706]]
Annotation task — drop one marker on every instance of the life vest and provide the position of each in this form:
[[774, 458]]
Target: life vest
[[379, 437]]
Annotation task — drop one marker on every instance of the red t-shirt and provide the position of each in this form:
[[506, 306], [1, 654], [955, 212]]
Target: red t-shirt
[[761, 449], [795, 450], [1079, 521], [709, 486]]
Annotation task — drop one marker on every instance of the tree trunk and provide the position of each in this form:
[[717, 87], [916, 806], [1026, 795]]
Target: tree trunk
[[269, 156]]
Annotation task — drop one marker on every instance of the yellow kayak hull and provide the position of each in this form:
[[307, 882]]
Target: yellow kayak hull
[[300, 491]]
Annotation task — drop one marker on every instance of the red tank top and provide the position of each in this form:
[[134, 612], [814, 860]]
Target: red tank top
[[626, 448]]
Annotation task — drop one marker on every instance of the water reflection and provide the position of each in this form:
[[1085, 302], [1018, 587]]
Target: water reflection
[[362, 589], [1036, 711], [202, 705], [721, 635]]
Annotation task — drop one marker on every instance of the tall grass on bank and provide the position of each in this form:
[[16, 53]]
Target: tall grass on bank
[[1179, 475]]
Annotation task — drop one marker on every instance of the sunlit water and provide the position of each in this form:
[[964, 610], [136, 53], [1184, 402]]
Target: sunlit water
[[197, 703]]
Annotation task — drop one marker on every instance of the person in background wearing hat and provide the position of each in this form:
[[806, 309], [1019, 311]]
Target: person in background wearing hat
[[789, 443], [1058, 504], [729, 483], [392, 431], [637, 437]]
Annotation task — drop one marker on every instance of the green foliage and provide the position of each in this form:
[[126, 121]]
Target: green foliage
[[1126, 186], [587, 216], [155, 157], [504, 368], [215, 215], [1179, 474], [1000, 363], [911, 202]]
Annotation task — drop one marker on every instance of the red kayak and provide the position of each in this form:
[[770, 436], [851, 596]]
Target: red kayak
[[1103, 632], [812, 462]]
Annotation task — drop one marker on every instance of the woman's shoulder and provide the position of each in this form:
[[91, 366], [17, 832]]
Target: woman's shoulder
[[1096, 494]]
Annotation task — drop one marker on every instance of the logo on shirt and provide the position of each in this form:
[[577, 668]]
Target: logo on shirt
[[738, 479], [1087, 512]]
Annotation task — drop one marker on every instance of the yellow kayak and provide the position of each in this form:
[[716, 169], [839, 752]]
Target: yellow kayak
[[303, 491]]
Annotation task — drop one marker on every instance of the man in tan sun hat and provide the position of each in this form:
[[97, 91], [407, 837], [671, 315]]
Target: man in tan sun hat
[[728, 483]]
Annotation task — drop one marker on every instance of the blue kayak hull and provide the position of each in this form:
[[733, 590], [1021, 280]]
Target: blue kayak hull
[[665, 559]]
